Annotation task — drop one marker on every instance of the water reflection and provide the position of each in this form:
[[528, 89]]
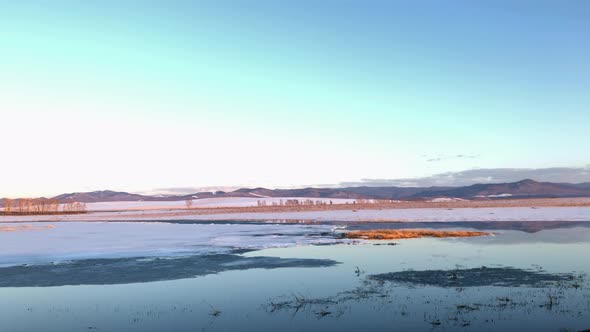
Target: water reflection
[[418, 285], [482, 298], [134, 270]]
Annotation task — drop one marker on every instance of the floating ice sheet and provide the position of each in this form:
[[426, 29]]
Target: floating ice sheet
[[57, 242]]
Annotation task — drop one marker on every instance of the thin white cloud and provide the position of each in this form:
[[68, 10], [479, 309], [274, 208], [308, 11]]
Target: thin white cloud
[[449, 157]]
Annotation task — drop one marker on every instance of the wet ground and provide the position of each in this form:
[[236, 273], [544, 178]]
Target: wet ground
[[527, 276]]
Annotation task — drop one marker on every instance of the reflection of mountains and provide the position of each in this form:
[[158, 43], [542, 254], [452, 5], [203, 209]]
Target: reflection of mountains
[[135, 270], [524, 226]]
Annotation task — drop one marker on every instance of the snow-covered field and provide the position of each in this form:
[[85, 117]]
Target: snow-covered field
[[418, 214], [423, 214], [39, 243], [204, 202]]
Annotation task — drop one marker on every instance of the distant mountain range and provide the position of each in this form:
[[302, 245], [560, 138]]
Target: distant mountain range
[[520, 189], [585, 185]]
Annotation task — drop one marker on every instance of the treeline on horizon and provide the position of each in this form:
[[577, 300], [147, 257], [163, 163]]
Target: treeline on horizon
[[311, 202], [29, 206]]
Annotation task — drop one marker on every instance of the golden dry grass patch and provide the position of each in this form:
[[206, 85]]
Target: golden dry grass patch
[[394, 234]]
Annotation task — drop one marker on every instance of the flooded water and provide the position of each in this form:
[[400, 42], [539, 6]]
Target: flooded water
[[527, 276]]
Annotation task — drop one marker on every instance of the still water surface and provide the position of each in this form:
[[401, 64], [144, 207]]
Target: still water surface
[[525, 277]]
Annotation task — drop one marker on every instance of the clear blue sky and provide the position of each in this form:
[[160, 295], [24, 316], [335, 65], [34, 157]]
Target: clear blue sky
[[134, 95]]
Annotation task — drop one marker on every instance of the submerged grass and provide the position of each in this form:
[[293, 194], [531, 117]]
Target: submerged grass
[[483, 276]]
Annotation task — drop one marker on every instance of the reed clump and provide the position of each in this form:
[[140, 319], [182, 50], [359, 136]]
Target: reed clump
[[394, 234]]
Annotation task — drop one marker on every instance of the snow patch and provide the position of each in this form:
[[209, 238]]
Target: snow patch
[[494, 196], [258, 195], [83, 240], [447, 199]]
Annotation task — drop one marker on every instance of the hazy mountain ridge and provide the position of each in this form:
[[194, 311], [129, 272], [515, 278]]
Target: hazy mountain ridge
[[521, 189], [100, 196], [585, 185]]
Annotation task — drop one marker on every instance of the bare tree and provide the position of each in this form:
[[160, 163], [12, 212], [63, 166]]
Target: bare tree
[[22, 206], [80, 207], [74, 207], [68, 207], [189, 203], [29, 205], [7, 204], [54, 205]]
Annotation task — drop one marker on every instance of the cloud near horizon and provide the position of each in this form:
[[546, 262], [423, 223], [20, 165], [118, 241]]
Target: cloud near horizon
[[451, 179], [446, 158], [484, 175], [189, 190]]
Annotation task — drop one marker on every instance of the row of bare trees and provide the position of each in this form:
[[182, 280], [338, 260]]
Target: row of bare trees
[[74, 207], [293, 202], [309, 202], [306, 202], [40, 206]]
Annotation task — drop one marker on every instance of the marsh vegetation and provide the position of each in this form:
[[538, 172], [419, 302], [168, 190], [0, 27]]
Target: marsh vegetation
[[394, 234]]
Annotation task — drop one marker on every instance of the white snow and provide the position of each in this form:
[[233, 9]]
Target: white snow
[[446, 199], [204, 202], [80, 240], [258, 195], [494, 196], [429, 214]]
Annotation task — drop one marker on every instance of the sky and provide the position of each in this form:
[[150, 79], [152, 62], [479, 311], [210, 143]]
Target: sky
[[135, 95]]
